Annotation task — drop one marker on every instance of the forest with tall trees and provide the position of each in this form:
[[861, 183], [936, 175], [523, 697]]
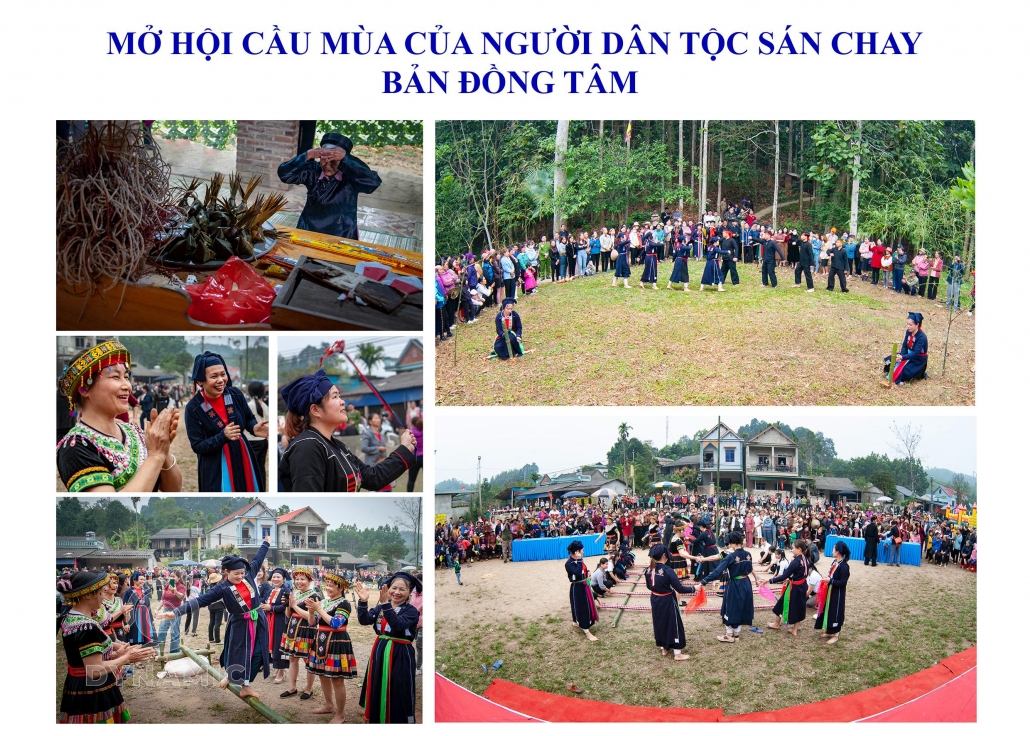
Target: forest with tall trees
[[500, 182]]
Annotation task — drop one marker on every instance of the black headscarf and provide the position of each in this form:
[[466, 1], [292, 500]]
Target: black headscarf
[[204, 361]]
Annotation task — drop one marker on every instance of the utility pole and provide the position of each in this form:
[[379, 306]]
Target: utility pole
[[718, 459], [246, 360]]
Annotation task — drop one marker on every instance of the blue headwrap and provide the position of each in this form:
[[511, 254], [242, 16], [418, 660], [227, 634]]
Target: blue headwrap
[[414, 584], [281, 571], [233, 562], [659, 550], [305, 391], [204, 361], [916, 317]]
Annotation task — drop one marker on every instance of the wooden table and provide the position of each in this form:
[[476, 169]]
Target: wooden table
[[149, 307]]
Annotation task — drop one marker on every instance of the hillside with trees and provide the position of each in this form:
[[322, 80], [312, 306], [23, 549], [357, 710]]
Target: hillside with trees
[[499, 182]]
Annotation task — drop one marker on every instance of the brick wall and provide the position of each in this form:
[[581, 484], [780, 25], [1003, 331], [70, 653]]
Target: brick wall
[[261, 145]]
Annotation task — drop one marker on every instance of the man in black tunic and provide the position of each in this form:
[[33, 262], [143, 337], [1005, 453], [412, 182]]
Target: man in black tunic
[[872, 541], [333, 184], [770, 250], [729, 260], [838, 265], [805, 264]]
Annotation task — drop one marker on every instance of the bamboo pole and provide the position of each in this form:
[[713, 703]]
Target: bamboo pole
[[250, 700], [618, 615]]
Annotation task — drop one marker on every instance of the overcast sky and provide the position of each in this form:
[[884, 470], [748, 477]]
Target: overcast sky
[[560, 442], [364, 512]]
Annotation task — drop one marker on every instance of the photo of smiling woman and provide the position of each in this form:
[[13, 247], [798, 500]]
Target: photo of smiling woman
[[315, 461], [215, 419], [103, 451]]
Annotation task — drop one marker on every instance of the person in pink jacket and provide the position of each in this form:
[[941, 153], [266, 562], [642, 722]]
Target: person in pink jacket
[[936, 266], [921, 266]]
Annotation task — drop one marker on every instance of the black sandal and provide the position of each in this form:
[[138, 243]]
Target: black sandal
[[288, 694], [305, 696]]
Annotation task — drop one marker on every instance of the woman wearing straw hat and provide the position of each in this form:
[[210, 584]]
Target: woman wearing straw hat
[[332, 656]]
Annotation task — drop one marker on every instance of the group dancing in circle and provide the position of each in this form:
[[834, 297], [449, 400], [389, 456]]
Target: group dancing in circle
[[734, 568], [309, 626]]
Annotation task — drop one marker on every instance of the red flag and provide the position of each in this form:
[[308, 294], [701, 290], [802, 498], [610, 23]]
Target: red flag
[[336, 347], [700, 598]]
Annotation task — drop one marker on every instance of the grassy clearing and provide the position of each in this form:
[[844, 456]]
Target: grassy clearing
[[599, 346], [899, 621]]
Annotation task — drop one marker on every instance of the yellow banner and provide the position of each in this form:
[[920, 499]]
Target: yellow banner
[[441, 518]]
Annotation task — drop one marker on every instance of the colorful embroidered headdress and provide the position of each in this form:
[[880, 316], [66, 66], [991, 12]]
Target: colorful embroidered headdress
[[339, 580], [88, 365], [87, 587]]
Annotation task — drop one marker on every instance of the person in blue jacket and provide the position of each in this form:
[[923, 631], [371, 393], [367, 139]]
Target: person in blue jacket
[[912, 354], [245, 653], [333, 183], [508, 343]]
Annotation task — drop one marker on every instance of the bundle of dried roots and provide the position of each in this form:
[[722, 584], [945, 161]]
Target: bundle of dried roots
[[112, 202]]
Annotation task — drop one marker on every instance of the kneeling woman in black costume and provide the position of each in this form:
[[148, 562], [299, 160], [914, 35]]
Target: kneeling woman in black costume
[[315, 461]]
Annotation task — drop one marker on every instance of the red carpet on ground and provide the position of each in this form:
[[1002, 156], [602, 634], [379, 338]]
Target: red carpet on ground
[[455, 703], [945, 692]]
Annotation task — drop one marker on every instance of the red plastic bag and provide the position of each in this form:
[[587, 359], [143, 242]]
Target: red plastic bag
[[235, 294]]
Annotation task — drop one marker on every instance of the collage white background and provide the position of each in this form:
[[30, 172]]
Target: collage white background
[[970, 65]]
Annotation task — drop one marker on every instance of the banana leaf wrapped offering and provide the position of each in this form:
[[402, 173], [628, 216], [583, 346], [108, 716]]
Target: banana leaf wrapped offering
[[214, 227]]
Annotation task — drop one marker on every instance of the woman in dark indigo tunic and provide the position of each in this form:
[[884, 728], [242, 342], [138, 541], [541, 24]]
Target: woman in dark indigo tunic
[[388, 690], [738, 604], [246, 636], [665, 614], [912, 355], [315, 461], [277, 612], [831, 614], [650, 275], [215, 419], [333, 185], [791, 607], [581, 597], [681, 255], [622, 270], [713, 275], [508, 326]]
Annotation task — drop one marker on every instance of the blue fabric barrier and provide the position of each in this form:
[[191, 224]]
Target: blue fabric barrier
[[911, 553], [555, 548]]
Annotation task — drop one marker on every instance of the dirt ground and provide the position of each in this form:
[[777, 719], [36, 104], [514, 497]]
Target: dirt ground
[[898, 621], [594, 345], [184, 456], [200, 700]]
